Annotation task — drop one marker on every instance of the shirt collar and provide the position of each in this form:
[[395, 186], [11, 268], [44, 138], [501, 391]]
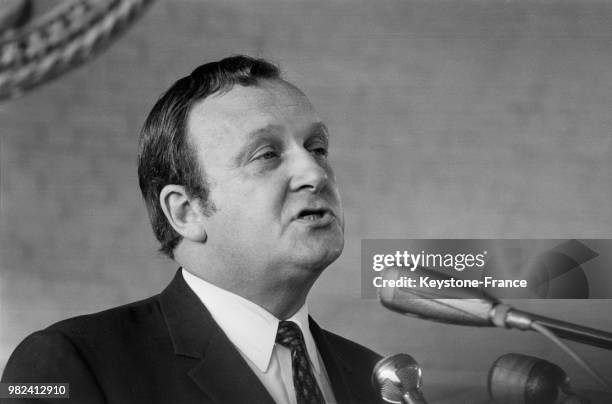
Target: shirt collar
[[250, 327]]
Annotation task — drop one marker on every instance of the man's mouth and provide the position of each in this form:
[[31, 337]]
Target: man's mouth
[[321, 216], [312, 214]]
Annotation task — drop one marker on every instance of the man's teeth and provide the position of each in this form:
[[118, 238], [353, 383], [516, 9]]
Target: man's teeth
[[312, 216]]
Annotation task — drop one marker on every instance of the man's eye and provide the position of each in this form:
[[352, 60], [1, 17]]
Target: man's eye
[[320, 151], [267, 155]]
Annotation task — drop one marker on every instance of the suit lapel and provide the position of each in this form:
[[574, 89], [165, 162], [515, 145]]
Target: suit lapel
[[221, 372], [224, 375], [339, 372]]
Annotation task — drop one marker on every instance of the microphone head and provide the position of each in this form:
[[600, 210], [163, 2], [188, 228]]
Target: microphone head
[[396, 375], [523, 379], [454, 305]]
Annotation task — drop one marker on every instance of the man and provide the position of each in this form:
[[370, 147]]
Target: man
[[234, 169]]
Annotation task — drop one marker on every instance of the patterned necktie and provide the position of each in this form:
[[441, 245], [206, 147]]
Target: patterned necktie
[[306, 388]]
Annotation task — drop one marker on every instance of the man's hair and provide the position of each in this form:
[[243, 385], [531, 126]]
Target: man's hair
[[165, 155]]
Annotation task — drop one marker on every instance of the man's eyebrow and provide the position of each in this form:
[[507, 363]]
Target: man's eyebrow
[[320, 129], [268, 132]]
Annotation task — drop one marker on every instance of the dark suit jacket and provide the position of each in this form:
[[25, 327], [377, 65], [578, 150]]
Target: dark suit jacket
[[167, 349]]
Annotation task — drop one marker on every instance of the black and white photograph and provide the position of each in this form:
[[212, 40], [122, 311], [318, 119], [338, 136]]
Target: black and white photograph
[[306, 201]]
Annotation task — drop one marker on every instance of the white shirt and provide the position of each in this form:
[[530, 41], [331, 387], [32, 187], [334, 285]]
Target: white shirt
[[252, 330]]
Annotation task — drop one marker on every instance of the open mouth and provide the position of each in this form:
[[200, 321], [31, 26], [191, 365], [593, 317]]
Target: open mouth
[[313, 214]]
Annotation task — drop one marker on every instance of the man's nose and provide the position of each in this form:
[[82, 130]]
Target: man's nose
[[308, 172]]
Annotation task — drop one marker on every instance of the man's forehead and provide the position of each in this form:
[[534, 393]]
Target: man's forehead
[[249, 109]]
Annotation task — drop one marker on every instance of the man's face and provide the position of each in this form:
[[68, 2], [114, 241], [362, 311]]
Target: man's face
[[263, 150]]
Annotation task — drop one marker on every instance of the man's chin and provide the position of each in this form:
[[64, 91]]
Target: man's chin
[[317, 259]]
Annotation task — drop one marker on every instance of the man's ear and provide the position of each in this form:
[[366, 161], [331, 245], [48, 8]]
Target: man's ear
[[183, 213]]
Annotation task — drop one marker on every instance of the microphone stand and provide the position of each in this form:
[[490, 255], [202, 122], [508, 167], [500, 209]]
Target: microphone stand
[[508, 317]]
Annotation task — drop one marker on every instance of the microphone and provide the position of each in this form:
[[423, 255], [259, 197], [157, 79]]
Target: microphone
[[522, 379], [473, 307], [462, 306], [398, 379]]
